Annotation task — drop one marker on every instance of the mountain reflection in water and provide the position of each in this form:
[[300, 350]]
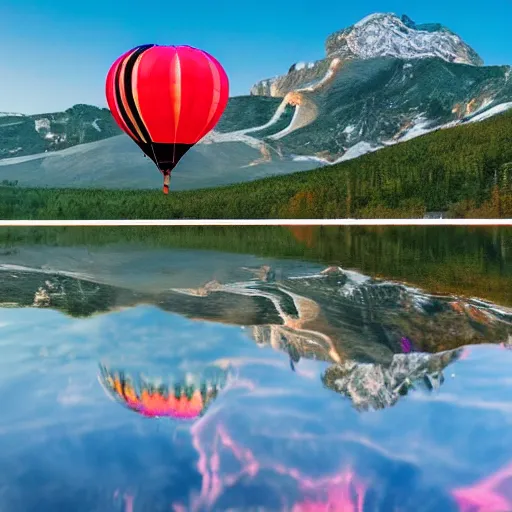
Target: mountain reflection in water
[[295, 389]]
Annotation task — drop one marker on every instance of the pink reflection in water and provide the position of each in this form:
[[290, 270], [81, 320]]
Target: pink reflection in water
[[336, 493], [344, 494], [128, 500], [492, 494]]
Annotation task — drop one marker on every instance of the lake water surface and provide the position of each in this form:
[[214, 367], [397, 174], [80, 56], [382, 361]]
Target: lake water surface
[[168, 377]]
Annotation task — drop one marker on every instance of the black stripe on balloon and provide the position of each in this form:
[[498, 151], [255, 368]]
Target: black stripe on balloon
[[120, 105], [147, 150], [128, 70], [168, 155]]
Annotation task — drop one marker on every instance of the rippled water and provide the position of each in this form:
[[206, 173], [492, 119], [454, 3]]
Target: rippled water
[[257, 385]]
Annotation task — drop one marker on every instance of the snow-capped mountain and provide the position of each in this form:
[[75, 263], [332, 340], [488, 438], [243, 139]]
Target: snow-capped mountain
[[377, 35], [387, 35]]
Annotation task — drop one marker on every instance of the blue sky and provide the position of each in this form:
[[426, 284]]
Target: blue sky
[[56, 53]]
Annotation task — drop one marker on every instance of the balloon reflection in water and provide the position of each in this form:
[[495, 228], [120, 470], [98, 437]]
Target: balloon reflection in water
[[182, 400]]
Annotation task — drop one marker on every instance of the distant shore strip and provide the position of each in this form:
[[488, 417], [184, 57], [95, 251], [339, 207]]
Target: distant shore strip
[[263, 222]]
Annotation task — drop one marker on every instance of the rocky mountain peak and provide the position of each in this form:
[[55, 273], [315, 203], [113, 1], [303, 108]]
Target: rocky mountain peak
[[388, 35], [376, 35]]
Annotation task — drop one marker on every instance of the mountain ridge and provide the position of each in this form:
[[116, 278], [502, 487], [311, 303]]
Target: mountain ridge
[[338, 109], [22, 134]]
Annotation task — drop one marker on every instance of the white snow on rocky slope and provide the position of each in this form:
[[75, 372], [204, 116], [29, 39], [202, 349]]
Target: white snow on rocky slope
[[360, 149], [291, 127], [368, 19], [42, 124], [238, 136], [421, 126], [306, 158], [329, 75], [275, 118], [497, 109], [386, 35]]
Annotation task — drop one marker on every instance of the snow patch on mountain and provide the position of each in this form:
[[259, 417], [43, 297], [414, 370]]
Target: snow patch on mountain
[[350, 132], [306, 158], [354, 282], [301, 65], [360, 149], [239, 136], [329, 75], [421, 127], [368, 19], [498, 109], [275, 118], [42, 124], [291, 127]]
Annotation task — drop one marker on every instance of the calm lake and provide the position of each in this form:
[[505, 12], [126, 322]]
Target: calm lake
[[256, 369]]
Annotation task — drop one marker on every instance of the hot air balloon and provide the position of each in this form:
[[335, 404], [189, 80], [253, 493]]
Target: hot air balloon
[[166, 98], [181, 401]]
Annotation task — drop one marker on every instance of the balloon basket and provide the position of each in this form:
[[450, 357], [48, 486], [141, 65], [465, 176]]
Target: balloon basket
[[167, 182]]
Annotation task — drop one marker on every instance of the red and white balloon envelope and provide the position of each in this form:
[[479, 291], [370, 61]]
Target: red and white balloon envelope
[[166, 98]]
